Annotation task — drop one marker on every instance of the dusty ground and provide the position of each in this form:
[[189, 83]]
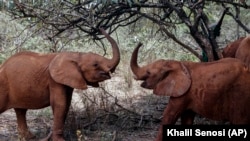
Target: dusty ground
[[104, 126]]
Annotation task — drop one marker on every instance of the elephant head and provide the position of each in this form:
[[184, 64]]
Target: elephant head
[[78, 70], [170, 78]]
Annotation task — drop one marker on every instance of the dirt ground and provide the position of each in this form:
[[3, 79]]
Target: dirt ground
[[119, 125], [100, 130], [104, 127]]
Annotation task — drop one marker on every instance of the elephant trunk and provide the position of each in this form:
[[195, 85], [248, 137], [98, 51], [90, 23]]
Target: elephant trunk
[[133, 63], [116, 53]]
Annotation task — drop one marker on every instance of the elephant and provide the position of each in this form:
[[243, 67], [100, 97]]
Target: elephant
[[239, 49], [30, 80], [231, 48], [217, 90], [243, 51]]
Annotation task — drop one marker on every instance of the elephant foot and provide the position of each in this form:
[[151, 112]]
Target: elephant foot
[[25, 136], [58, 135], [58, 138]]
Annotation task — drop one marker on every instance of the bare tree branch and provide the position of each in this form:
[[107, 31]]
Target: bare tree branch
[[63, 18]]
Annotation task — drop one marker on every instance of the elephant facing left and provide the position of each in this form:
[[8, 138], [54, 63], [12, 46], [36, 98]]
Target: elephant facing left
[[217, 90], [31, 80]]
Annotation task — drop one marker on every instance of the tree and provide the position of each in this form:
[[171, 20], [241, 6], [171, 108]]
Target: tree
[[63, 17]]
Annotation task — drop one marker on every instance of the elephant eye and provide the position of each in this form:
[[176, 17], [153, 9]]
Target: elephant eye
[[166, 74], [148, 72], [95, 64]]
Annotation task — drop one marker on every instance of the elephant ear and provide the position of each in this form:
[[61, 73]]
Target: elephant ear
[[175, 84], [64, 70]]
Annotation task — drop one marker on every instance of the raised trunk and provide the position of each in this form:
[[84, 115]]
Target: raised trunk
[[116, 53], [133, 62]]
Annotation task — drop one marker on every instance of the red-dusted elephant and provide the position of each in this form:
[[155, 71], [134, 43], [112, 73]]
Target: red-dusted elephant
[[218, 90], [31, 80], [243, 51], [231, 48], [239, 49]]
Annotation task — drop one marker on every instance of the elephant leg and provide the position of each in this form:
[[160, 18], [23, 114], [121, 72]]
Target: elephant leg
[[167, 119], [22, 124], [170, 115], [60, 103], [187, 117]]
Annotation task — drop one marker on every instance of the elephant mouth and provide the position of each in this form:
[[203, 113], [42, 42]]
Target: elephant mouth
[[146, 85], [105, 76], [101, 77], [93, 84], [152, 83]]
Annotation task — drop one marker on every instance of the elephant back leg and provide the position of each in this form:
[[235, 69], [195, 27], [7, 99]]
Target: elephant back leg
[[23, 130]]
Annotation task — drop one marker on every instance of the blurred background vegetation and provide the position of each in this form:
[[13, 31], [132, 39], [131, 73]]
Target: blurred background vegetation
[[31, 25]]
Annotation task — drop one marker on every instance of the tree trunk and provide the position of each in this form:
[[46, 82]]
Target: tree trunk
[[205, 45]]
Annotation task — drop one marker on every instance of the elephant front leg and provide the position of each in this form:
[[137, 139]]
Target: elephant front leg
[[58, 128], [60, 102], [170, 115], [23, 130]]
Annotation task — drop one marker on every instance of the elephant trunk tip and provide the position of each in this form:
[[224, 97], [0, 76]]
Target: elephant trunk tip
[[139, 45]]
